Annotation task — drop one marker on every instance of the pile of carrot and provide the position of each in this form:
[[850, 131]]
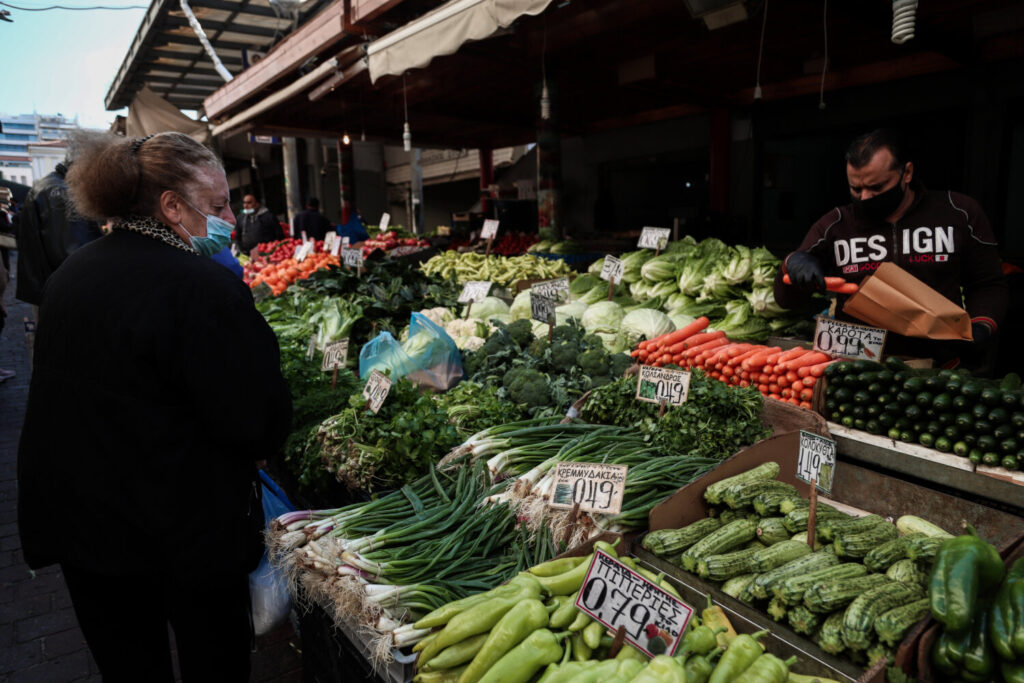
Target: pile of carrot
[[278, 276], [782, 375]]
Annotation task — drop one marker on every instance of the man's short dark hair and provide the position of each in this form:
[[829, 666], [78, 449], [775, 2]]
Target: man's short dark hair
[[863, 148], [313, 203]]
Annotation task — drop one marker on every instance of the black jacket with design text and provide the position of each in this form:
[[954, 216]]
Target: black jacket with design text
[[944, 240]]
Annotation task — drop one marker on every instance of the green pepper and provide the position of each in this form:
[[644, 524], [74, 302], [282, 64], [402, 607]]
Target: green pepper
[[957, 645], [700, 640], [443, 676], [699, 668], [627, 652], [978, 657], [743, 651], [662, 669], [627, 670], [965, 567], [1005, 617], [521, 663], [456, 654], [443, 614], [581, 621], [563, 673], [519, 622], [592, 634], [1017, 599], [607, 547], [767, 669], [1013, 672], [565, 614], [941, 659], [568, 582], [556, 567], [580, 650]]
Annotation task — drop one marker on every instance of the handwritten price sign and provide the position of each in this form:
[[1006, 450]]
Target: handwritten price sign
[[816, 460], [376, 390], [612, 269], [657, 385], [849, 340], [474, 291], [595, 487], [654, 620], [542, 309], [557, 289], [654, 238], [490, 229], [352, 257], [335, 355]]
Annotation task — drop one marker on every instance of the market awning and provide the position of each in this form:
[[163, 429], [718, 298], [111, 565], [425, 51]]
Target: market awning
[[443, 31], [149, 114]]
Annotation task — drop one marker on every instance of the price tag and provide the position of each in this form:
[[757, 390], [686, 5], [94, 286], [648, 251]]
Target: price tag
[[656, 385], [304, 238], [596, 487], [352, 257], [345, 241], [376, 390], [654, 238], [311, 349], [654, 621], [329, 239], [304, 251], [336, 247], [490, 229], [849, 340], [443, 231], [404, 251], [612, 269], [542, 309], [385, 219], [474, 291], [335, 355], [298, 250], [557, 289], [816, 460]]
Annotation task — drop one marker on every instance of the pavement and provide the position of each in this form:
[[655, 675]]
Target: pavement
[[40, 641]]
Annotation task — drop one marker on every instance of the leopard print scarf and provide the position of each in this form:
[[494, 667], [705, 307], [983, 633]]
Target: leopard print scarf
[[151, 227]]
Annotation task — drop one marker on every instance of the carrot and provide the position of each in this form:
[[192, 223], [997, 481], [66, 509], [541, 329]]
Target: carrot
[[701, 338], [738, 349], [805, 404], [786, 393], [763, 388], [797, 386], [773, 388], [760, 359], [738, 360], [744, 383], [806, 395], [790, 377], [832, 284], [809, 381], [812, 358], [683, 332], [776, 396], [635, 353], [819, 369], [727, 371], [700, 348], [792, 353]]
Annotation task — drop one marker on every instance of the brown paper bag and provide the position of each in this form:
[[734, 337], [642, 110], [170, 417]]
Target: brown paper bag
[[897, 301]]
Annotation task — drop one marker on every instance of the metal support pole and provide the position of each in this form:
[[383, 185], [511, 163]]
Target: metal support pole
[[417, 191], [290, 153]]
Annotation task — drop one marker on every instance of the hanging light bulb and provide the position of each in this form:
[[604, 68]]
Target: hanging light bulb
[[545, 102], [345, 139], [406, 138]]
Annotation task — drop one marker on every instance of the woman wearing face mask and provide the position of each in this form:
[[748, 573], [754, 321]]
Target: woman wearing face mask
[[156, 387], [942, 238]]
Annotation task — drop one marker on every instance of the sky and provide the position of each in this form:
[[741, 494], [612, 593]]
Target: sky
[[62, 61]]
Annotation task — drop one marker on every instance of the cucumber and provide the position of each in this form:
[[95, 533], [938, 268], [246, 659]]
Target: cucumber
[[910, 524], [891, 626], [772, 530], [764, 584], [829, 595], [742, 494], [769, 558], [665, 542], [722, 540], [713, 493], [860, 617], [791, 589], [860, 544], [828, 529]]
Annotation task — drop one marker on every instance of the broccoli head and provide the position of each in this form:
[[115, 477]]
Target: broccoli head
[[566, 333], [539, 346], [618, 364], [521, 332], [530, 387], [563, 355], [494, 344], [593, 362], [509, 378], [592, 341], [600, 381]]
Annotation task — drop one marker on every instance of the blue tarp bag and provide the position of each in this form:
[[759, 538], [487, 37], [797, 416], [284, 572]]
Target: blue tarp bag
[[268, 589]]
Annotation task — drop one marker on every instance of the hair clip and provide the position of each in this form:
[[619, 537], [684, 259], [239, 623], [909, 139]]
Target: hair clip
[[138, 143]]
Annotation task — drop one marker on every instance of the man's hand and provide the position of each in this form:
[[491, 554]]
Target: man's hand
[[805, 271], [982, 332]]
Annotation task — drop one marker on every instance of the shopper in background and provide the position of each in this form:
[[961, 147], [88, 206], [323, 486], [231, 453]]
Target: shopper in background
[[311, 221], [256, 224], [48, 232], [353, 228], [155, 389], [942, 238]]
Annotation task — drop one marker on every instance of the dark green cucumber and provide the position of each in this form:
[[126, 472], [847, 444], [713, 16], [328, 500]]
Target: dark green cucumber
[[722, 540], [860, 617], [791, 589]]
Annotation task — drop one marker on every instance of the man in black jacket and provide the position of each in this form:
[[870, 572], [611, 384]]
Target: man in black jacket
[[256, 224], [941, 238], [311, 221], [48, 232]]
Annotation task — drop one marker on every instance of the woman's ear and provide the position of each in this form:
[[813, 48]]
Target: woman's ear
[[171, 207]]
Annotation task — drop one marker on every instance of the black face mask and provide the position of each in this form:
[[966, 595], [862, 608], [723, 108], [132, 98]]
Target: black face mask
[[882, 205]]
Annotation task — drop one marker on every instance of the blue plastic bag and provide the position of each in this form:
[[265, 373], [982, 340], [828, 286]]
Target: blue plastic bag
[[429, 358], [268, 589]]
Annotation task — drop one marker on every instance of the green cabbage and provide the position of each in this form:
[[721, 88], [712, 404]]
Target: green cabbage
[[520, 308], [599, 293], [573, 310], [659, 269], [693, 274], [680, 320], [596, 267], [604, 316], [740, 323], [486, 307], [645, 323], [613, 342], [640, 290]]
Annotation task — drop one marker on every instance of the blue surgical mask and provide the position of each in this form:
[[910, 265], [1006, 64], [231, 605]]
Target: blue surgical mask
[[218, 235], [248, 212]]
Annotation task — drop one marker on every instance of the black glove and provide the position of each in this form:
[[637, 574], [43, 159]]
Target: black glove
[[805, 271], [982, 333]]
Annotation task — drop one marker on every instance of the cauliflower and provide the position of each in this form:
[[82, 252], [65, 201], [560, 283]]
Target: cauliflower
[[460, 327], [439, 315], [471, 343]]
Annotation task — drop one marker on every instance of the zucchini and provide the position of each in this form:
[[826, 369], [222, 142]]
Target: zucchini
[[735, 586], [804, 620], [833, 526], [860, 544], [831, 594], [860, 617], [771, 530], [796, 520], [713, 493], [791, 503], [769, 558], [830, 635], [910, 524], [791, 589], [745, 597], [764, 584], [802, 537], [892, 625], [664, 542], [881, 558], [726, 565], [742, 494], [767, 503], [776, 610], [721, 540], [907, 571], [924, 549]]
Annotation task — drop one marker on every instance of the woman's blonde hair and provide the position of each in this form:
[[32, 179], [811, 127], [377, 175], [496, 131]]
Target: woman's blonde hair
[[115, 177]]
